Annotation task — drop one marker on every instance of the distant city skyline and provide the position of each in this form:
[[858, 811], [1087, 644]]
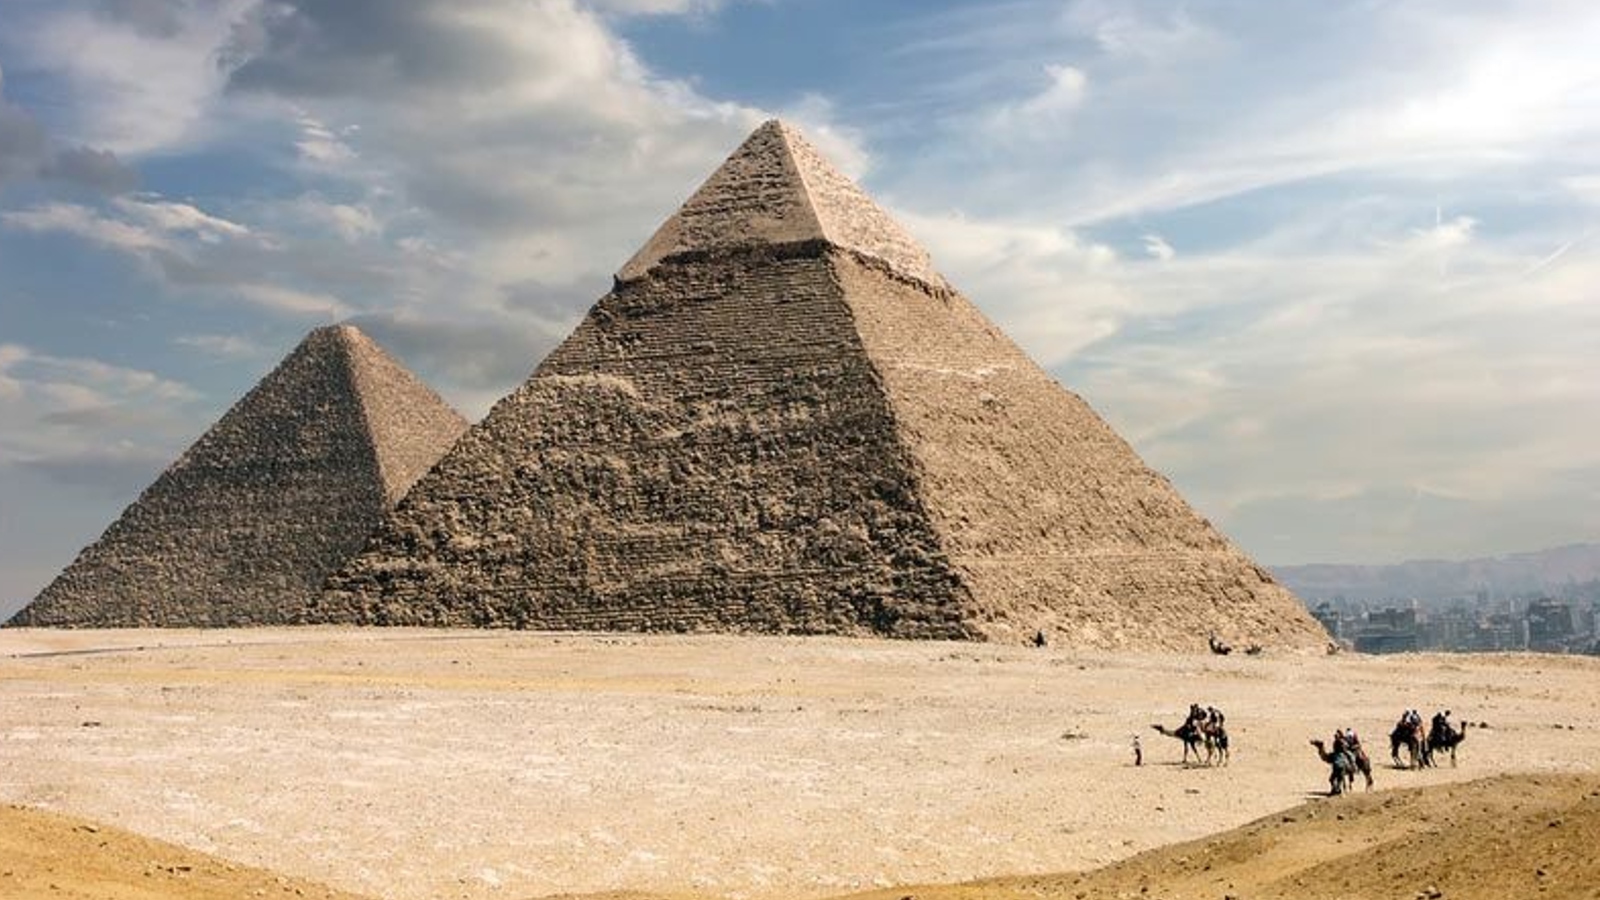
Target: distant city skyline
[[1328, 266]]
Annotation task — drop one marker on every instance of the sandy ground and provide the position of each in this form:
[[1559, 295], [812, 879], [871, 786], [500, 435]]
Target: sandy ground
[[1510, 836], [48, 856], [413, 764]]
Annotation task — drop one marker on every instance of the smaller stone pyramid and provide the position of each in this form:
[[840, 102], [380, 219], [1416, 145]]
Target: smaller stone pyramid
[[250, 519]]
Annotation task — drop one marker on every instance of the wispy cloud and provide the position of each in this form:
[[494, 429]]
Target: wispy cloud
[[80, 221], [1397, 88], [86, 421], [133, 88], [220, 346], [289, 300], [171, 218], [1157, 247]]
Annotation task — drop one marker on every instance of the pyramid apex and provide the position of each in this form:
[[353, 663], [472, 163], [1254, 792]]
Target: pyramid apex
[[345, 330], [775, 189], [392, 401]]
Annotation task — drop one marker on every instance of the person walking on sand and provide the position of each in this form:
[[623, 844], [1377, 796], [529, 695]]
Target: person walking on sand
[[1138, 752]]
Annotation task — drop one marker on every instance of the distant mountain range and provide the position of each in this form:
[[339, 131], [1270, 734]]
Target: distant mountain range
[[1561, 571]]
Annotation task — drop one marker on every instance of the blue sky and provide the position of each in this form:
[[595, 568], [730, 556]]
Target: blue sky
[[1331, 266]]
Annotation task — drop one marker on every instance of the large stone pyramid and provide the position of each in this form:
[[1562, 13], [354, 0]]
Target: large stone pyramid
[[782, 419], [251, 519]]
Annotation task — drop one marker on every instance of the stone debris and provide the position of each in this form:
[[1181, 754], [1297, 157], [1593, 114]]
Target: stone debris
[[781, 419], [247, 523]]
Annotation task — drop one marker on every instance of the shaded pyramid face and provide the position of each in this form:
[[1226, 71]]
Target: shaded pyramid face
[[251, 519], [782, 420]]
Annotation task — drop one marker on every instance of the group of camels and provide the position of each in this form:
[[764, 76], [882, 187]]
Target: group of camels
[[1346, 758], [1421, 744], [1204, 730]]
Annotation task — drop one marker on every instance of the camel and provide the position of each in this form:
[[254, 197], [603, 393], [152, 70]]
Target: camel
[[1196, 732], [1342, 768], [1190, 733], [1447, 740], [1408, 737], [1216, 741], [1346, 760]]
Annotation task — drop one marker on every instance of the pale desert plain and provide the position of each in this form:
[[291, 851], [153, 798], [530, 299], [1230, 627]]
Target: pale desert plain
[[413, 764]]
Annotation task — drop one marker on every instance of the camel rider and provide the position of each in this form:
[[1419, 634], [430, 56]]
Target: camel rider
[[1441, 724], [1343, 756], [1352, 744]]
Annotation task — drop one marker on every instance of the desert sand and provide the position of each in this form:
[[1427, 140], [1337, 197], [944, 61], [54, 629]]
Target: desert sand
[[417, 764]]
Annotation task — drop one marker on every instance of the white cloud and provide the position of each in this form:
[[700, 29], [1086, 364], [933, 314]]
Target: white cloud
[[351, 222], [1424, 91], [80, 221], [134, 89], [1067, 86], [1584, 187], [180, 219], [1332, 373], [197, 252], [1158, 248], [1121, 29], [10, 355], [320, 147], [1048, 287], [154, 224], [220, 346], [1039, 115], [55, 405], [656, 7], [279, 299], [1444, 235]]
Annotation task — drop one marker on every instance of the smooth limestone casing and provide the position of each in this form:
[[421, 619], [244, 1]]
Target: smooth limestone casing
[[247, 523]]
